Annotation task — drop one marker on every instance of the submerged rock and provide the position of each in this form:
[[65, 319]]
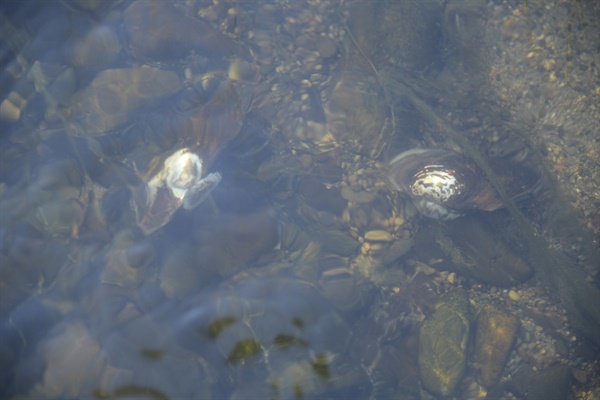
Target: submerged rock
[[161, 31], [551, 383], [469, 247], [443, 340], [107, 103], [495, 336]]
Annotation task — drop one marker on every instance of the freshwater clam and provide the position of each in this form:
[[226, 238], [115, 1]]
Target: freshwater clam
[[444, 185], [178, 182]]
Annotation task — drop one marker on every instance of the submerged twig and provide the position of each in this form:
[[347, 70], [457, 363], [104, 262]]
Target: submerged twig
[[379, 80]]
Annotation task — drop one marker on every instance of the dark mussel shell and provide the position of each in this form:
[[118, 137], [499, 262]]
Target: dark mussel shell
[[444, 185]]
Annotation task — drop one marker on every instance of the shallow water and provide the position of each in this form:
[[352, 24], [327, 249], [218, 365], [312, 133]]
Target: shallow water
[[296, 275]]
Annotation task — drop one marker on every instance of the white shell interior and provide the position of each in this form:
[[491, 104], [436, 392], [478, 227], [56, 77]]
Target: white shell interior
[[182, 169], [434, 210], [436, 182]]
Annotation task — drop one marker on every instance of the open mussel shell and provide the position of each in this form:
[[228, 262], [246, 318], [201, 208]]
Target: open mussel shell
[[176, 181], [444, 185]]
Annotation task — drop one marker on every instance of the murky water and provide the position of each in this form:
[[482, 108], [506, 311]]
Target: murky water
[[196, 202]]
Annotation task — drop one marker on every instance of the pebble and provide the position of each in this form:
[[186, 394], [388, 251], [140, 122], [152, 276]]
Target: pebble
[[451, 278], [326, 47], [579, 375], [379, 236], [514, 296]]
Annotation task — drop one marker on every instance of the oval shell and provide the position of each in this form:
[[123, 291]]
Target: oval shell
[[443, 184], [438, 181]]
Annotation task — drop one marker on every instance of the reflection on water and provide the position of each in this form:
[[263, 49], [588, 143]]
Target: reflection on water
[[195, 203]]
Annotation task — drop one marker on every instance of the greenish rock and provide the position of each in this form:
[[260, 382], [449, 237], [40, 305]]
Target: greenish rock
[[470, 248], [495, 335], [443, 339]]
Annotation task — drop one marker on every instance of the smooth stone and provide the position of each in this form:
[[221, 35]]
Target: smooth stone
[[109, 100], [326, 47], [379, 236], [443, 340], [496, 332], [159, 30]]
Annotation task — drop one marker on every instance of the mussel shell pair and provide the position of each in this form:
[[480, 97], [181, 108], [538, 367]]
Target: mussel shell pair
[[178, 181], [444, 185]]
